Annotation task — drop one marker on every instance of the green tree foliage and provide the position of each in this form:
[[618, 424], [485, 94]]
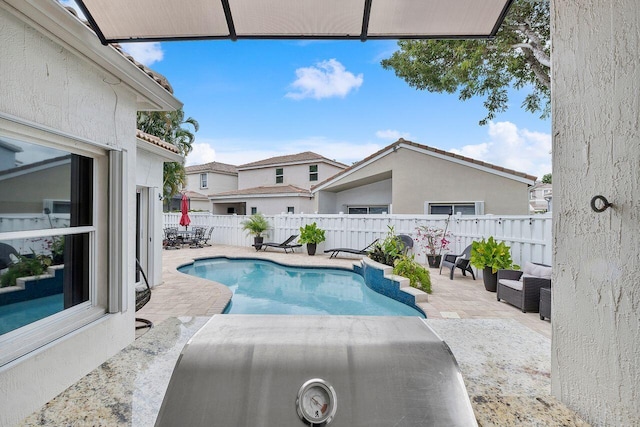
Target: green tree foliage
[[169, 126], [546, 179], [518, 57]]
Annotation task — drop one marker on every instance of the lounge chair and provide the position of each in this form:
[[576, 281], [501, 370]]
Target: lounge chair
[[407, 243], [336, 251], [286, 245], [461, 261], [8, 255]]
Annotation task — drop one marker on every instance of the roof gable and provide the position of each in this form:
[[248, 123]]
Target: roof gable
[[213, 167], [291, 159], [431, 151]]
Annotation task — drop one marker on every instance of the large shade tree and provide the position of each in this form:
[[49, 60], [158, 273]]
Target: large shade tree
[[169, 126], [518, 57]]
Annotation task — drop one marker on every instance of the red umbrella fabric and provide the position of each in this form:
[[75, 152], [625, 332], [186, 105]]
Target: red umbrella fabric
[[184, 207]]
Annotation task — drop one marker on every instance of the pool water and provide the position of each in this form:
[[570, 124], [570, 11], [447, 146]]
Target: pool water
[[17, 315], [264, 287]]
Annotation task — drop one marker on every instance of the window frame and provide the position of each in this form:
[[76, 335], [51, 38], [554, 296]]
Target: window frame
[[368, 208], [204, 180], [313, 174], [26, 339], [279, 175]]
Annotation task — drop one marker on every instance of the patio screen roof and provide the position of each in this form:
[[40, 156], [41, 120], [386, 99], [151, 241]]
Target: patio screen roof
[[155, 20]]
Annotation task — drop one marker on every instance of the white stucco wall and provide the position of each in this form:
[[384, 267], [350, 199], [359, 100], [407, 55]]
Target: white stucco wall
[[297, 175], [596, 147], [44, 83], [216, 183], [277, 205], [378, 194]]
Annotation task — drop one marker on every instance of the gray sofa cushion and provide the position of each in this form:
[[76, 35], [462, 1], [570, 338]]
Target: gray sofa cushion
[[533, 270], [513, 284]]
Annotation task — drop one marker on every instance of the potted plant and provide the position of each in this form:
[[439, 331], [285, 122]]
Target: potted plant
[[387, 251], [256, 224], [311, 235], [491, 256], [433, 241]]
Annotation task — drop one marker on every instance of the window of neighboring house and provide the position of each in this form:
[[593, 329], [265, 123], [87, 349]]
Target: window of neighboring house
[[546, 192], [254, 210], [203, 180], [532, 195], [313, 172], [290, 209], [54, 240], [231, 210], [279, 175], [367, 210], [453, 208]]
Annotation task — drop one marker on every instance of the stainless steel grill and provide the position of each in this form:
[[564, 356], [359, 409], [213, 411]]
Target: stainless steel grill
[[288, 371]]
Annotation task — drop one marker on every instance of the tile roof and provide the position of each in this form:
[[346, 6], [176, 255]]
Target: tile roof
[[194, 195], [427, 148], [157, 77], [156, 141], [213, 167], [274, 189], [291, 158]]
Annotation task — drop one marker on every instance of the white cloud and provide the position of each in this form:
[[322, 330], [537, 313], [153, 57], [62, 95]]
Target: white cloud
[[326, 79], [392, 135], [202, 153], [231, 152], [146, 53], [518, 149]]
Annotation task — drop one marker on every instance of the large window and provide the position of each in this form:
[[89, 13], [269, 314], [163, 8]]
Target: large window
[[453, 209], [46, 233], [279, 175]]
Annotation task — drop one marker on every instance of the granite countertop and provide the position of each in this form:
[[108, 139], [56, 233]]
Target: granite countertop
[[505, 366]]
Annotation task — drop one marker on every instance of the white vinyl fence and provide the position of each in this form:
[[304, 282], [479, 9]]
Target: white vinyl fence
[[23, 222], [528, 236]]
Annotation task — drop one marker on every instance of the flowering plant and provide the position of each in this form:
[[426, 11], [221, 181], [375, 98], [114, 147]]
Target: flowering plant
[[432, 240]]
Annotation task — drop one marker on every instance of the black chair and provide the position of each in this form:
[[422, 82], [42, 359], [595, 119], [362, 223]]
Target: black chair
[[461, 261], [407, 243], [143, 296], [286, 245], [207, 238], [171, 238], [521, 288], [198, 238], [336, 251], [5, 255]]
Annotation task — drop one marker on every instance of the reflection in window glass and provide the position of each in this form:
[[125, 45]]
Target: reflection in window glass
[[43, 189]]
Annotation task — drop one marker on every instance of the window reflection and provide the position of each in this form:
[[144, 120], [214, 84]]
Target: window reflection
[[50, 190]]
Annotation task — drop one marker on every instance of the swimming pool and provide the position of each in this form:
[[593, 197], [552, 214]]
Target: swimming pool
[[265, 287], [19, 314]]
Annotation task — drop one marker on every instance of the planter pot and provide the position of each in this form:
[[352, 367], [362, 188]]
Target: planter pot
[[490, 279], [311, 248], [257, 242], [434, 260]]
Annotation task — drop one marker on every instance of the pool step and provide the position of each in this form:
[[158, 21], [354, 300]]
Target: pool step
[[420, 296]]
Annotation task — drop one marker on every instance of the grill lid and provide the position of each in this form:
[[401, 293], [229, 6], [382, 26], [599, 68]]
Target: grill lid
[[261, 370]]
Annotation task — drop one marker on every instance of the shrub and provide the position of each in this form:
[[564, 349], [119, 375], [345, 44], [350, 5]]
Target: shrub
[[418, 276], [26, 266], [310, 233], [490, 253], [387, 250]]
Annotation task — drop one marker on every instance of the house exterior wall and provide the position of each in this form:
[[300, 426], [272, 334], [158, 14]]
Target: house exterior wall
[[216, 183], [274, 205], [596, 145], [44, 83], [297, 175], [417, 178], [377, 193]]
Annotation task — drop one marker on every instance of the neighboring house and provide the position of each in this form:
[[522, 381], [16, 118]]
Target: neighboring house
[[540, 196], [276, 185], [207, 179], [68, 112], [409, 178]]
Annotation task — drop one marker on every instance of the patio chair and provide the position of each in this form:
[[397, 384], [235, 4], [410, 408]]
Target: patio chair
[[407, 242], [171, 238], [461, 261], [6, 252], [286, 245], [207, 237], [522, 288], [198, 238], [336, 251]]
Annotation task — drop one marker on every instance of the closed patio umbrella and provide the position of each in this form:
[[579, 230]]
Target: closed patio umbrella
[[184, 207]]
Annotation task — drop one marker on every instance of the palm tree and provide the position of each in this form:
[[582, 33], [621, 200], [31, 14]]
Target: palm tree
[[168, 125]]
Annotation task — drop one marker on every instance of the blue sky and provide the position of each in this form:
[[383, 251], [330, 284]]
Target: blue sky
[[256, 99]]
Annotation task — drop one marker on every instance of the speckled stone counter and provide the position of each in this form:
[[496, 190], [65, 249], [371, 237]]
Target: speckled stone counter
[[505, 366]]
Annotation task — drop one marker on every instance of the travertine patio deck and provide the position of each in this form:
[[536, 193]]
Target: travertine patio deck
[[182, 295]]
